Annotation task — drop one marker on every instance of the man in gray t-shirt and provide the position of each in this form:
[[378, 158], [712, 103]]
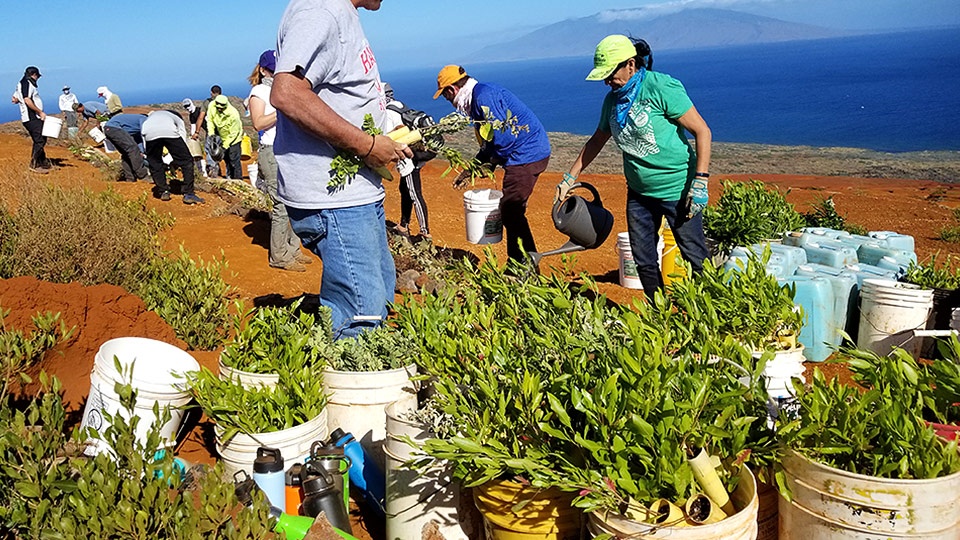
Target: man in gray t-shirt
[[325, 83]]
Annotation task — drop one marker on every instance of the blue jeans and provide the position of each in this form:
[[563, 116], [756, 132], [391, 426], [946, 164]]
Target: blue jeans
[[358, 272], [644, 215]]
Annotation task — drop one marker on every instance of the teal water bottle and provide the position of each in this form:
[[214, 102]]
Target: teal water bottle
[[268, 474]]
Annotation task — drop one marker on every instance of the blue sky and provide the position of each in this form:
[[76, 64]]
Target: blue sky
[[137, 46]]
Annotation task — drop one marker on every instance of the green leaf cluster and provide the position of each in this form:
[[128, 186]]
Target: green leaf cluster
[[296, 399], [934, 275], [19, 352], [823, 213], [381, 349], [748, 212], [51, 491], [548, 382], [277, 339], [746, 303], [190, 296], [877, 430]]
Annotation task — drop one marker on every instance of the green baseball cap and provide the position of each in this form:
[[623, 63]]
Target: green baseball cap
[[610, 52]]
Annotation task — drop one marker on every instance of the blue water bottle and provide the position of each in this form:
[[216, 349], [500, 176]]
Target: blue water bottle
[[364, 471], [269, 476]]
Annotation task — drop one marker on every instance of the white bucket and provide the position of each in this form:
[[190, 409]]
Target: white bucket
[[248, 379], [629, 277], [889, 313], [482, 213], [294, 444], [415, 498], [52, 126], [157, 376], [740, 526], [253, 172], [356, 402], [196, 149], [831, 503], [97, 135]]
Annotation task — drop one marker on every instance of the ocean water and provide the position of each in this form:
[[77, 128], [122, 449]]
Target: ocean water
[[890, 92]]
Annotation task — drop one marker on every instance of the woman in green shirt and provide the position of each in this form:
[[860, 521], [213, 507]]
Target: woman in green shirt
[[646, 114]]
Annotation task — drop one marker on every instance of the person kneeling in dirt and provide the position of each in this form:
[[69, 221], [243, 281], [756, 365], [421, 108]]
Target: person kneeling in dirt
[[123, 132], [166, 130], [90, 111]]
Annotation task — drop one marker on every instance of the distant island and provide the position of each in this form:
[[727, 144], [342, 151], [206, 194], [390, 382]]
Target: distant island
[[687, 29]]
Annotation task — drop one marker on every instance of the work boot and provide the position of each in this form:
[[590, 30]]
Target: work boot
[[302, 259], [165, 196], [292, 266]]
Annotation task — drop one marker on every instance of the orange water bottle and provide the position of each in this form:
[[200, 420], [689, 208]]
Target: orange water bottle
[[293, 489]]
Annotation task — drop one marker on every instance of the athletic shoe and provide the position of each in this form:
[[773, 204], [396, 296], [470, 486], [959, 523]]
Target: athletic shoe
[[165, 196], [190, 198]]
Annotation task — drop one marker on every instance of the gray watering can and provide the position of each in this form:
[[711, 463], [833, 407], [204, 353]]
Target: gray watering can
[[586, 223]]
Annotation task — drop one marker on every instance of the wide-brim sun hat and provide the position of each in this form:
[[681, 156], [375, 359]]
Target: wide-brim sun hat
[[611, 51]]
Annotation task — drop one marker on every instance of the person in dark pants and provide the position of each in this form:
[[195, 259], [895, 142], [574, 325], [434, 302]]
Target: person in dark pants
[[123, 132], [647, 114], [523, 152], [411, 189], [166, 130], [32, 116]]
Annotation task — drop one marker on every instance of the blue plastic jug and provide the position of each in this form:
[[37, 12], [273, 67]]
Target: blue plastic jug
[[869, 271], [364, 472], [737, 261], [872, 253], [793, 256], [846, 296], [830, 253], [815, 296], [824, 232], [894, 240]]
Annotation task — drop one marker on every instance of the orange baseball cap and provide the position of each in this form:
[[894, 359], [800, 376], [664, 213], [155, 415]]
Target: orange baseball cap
[[447, 76]]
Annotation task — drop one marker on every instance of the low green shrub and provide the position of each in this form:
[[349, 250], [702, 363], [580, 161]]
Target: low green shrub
[[49, 490], [19, 352], [951, 233], [748, 212], [191, 296], [823, 213], [931, 275]]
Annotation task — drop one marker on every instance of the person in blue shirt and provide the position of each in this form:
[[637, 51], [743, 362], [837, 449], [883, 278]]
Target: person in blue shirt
[[523, 153], [90, 111], [123, 131]]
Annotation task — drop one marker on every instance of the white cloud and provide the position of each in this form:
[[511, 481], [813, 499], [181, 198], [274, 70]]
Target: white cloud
[[666, 8]]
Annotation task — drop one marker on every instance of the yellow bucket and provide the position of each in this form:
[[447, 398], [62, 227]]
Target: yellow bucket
[[512, 511], [668, 262], [246, 147]]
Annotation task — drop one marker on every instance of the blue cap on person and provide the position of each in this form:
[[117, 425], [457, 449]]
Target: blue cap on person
[[268, 60]]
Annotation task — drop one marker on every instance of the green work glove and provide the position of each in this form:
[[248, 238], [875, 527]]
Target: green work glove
[[563, 188], [697, 197]]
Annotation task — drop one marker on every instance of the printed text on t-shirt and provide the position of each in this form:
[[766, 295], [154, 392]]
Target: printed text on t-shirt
[[367, 59]]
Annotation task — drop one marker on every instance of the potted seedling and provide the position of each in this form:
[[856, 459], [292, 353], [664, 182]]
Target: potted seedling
[[862, 460], [289, 415], [272, 340], [501, 351], [364, 374], [945, 282]]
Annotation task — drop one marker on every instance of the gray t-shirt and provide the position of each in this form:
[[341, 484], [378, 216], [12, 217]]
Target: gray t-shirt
[[323, 40], [163, 125]]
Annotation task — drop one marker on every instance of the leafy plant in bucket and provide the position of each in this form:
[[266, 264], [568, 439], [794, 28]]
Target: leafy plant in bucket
[[931, 275], [297, 398], [747, 304], [876, 432], [277, 339], [381, 349], [747, 213]]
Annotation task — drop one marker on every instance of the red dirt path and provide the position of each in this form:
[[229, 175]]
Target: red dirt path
[[919, 208]]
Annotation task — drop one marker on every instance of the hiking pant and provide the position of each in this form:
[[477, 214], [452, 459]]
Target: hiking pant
[[411, 198], [38, 157], [130, 155], [518, 183], [182, 159], [284, 243], [231, 156]]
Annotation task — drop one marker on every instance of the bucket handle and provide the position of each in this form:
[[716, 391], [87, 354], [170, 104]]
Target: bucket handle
[[589, 187]]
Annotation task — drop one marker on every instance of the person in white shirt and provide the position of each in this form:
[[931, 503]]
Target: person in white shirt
[[166, 130], [32, 116], [284, 244], [67, 99]]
